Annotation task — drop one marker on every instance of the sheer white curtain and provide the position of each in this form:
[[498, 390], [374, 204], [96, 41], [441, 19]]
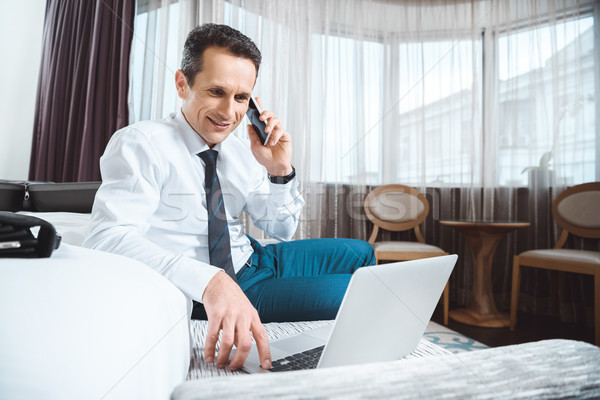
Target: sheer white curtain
[[431, 94], [160, 30]]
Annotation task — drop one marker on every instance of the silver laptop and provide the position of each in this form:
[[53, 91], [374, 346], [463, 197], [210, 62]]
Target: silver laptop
[[382, 317]]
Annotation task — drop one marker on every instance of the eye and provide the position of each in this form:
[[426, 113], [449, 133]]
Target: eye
[[216, 92], [242, 98]]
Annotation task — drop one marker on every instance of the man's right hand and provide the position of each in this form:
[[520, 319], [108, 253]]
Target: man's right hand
[[228, 309]]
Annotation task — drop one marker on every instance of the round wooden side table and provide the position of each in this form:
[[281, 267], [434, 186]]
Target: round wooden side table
[[483, 239]]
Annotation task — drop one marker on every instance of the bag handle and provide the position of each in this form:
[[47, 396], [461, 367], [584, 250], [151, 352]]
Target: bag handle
[[17, 240]]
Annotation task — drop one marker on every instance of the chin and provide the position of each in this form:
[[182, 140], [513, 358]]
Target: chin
[[215, 138]]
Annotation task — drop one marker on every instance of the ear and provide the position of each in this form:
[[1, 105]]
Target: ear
[[181, 84]]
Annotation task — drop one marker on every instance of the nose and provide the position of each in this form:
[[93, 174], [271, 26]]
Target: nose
[[227, 108]]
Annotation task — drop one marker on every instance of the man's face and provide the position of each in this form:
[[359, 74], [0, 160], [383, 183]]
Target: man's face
[[217, 102]]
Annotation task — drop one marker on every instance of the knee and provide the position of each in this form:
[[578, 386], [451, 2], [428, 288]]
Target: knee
[[368, 252], [361, 249]]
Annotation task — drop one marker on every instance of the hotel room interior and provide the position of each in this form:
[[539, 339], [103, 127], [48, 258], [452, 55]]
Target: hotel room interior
[[487, 111]]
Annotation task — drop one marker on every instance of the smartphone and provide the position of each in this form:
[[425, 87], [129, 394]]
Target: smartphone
[[253, 115]]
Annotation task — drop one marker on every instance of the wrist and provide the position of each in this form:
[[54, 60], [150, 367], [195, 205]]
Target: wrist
[[284, 171], [283, 179], [214, 285]]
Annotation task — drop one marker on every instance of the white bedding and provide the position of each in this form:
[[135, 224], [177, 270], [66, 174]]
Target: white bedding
[[85, 324], [72, 227]]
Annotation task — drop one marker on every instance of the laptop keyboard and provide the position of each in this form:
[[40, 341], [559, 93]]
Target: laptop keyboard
[[305, 360]]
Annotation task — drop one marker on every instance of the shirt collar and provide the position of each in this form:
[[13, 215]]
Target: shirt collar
[[193, 141]]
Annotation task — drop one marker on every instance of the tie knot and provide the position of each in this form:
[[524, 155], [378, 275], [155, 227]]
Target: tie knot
[[209, 157]]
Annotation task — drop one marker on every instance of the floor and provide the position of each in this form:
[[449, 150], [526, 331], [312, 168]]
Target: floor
[[530, 328]]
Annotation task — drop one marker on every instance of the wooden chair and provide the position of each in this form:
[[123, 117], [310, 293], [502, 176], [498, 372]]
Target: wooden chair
[[401, 208], [577, 211]]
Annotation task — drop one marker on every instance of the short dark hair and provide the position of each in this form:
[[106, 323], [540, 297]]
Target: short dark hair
[[209, 35]]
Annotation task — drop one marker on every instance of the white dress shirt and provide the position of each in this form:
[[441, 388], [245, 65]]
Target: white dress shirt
[[151, 205]]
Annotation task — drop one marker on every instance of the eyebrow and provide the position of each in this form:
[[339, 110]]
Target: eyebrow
[[247, 94], [210, 87]]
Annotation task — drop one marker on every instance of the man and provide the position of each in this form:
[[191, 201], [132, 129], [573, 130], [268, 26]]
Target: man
[[169, 185]]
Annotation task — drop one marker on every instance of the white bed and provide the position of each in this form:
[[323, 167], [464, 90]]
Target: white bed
[[85, 324]]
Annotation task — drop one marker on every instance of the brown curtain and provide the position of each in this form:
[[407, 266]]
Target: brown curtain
[[82, 89], [337, 211]]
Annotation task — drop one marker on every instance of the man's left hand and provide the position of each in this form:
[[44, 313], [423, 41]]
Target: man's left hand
[[276, 155]]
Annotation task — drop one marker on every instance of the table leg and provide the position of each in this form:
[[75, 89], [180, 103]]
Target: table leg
[[481, 308]]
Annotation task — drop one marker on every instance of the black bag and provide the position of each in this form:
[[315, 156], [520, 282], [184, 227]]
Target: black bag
[[17, 240], [47, 196]]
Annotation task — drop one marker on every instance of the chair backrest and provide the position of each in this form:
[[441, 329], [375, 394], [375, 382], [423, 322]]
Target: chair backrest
[[396, 207], [577, 210]]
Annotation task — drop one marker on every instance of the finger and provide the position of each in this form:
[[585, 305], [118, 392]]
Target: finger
[[258, 101], [254, 140], [227, 338], [262, 343], [243, 344], [275, 136], [266, 116], [212, 336], [272, 124]]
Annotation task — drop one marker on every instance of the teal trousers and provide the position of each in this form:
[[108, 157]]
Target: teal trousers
[[300, 280]]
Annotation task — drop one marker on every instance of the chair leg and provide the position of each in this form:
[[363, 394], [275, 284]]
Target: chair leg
[[446, 302], [514, 295], [597, 307]]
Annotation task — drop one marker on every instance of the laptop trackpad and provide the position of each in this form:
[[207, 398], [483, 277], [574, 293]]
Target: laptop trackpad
[[322, 332], [296, 344]]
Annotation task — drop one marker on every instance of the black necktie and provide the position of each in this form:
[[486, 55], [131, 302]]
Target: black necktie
[[219, 247]]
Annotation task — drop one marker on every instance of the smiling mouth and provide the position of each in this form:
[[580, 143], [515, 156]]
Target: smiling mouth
[[219, 124]]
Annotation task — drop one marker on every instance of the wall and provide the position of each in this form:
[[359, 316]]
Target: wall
[[21, 27]]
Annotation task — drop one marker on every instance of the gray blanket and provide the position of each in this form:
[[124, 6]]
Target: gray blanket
[[539, 370]]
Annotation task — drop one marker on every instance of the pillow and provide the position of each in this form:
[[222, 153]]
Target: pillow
[[85, 324], [72, 227]]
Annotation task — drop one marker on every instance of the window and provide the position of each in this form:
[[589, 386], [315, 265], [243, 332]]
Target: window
[[154, 60], [348, 115], [529, 84], [428, 102], [439, 112]]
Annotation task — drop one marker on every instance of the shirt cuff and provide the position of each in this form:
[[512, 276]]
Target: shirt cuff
[[192, 277], [284, 194]]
